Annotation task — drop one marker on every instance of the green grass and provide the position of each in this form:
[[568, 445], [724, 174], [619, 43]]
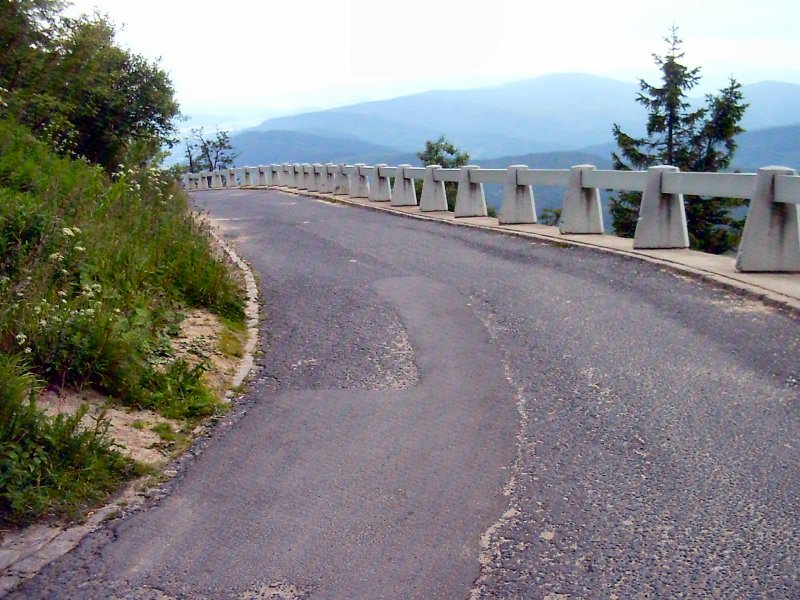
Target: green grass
[[232, 338], [94, 273], [50, 466]]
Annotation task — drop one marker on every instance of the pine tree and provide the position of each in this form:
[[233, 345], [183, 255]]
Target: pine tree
[[692, 139]]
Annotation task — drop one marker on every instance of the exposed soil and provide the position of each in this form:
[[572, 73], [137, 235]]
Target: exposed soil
[[199, 341]]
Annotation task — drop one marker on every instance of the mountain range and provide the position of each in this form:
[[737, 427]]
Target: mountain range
[[550, 122]]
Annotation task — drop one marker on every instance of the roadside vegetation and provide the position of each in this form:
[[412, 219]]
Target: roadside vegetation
[[99, 258], [694, 139], [94, 271], [444, 153]]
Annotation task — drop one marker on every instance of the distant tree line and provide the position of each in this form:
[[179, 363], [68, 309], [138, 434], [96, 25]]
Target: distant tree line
[[69, 82]]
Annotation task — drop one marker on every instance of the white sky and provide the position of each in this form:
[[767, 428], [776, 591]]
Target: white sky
[[256, 56]]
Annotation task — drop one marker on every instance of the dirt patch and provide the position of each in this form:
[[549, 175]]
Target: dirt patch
[[205, 339], [145, 435], [131, 430]]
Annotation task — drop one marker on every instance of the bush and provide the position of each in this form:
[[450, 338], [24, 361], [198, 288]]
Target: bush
[[50, 465], [93, 271]]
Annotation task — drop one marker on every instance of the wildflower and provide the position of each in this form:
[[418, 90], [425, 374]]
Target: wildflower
[[61, 293], [56, 256], [21, 338], [43, 323], [67, 232], [80, 248], [28, 350]]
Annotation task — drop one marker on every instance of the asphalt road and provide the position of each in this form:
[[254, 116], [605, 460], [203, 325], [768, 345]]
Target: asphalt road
[[447, 413]]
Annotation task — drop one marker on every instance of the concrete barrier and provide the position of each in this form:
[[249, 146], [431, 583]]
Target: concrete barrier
[[771, 236], [361, 184], [404, 193], [518, 203], [581, 211], [470, 199], [380, 190], [341, 182], [770, 242], [433, 196]]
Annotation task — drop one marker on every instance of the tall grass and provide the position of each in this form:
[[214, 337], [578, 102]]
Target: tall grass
[[50, 465], [93, 274]]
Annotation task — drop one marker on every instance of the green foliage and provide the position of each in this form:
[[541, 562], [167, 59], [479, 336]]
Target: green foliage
[[178, 393], [445, 154], [550, 216], [71, 84], [92, 272], [701, 139], [209, 154], [50, 466]]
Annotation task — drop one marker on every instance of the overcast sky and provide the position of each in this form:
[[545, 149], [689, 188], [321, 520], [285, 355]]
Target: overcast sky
[[256, 56]]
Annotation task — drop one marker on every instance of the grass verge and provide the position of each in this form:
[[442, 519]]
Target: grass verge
[[94, 275]]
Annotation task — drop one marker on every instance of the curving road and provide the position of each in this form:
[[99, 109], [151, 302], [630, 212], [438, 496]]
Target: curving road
[[447, 413]]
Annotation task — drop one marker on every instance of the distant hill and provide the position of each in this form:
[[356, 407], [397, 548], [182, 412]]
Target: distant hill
[[548, 160], [266, 147], [770, 146], [756, 148], [772, 104], [552, 113]]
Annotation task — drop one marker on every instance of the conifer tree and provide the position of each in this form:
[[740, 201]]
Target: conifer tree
[[699, 139]]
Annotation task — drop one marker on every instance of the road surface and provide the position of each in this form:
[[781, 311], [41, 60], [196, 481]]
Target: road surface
[[442, 412]]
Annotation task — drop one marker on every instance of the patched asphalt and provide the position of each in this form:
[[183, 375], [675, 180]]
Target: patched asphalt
[[444, 412]]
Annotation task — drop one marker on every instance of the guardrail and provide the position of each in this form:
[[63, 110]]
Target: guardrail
[[770, 241]]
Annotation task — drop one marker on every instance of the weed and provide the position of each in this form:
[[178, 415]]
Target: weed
[[50, 465], [232, 338], [165, 432], [94, 274]]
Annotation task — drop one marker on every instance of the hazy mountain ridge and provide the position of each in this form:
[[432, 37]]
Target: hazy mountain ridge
[[533, 117]]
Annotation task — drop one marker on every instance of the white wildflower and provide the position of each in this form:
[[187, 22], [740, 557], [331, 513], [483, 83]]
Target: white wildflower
[[21, 338], [67, 232]]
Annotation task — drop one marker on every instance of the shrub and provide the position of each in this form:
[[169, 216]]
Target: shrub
[[50, 465]]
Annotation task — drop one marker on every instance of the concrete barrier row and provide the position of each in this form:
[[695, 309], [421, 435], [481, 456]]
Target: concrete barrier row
[[770, 241]]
